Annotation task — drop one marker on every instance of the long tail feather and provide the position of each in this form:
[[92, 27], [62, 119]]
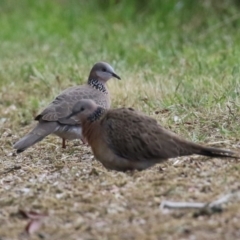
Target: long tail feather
[[214, 152], [37, 134]]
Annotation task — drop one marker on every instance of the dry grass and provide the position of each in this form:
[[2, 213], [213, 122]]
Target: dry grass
[[83, 200], [178, 63]]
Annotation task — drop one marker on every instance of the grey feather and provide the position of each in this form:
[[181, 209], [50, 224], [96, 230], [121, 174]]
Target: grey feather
[[37, 134]]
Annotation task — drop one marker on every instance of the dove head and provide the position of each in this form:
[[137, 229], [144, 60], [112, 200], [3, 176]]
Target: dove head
[[102, 72], [86, 109]]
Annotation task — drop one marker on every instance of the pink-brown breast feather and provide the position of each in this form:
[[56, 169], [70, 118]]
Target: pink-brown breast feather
[[96, 138]]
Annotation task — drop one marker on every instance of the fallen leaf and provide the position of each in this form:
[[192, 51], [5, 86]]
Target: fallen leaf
[[36, 220], [32, 215], [33, 226]]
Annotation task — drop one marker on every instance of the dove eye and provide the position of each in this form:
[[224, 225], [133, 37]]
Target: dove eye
[[104, 69]]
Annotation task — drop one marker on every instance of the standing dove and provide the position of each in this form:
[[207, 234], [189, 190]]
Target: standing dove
[[49, 120], [123, 139]]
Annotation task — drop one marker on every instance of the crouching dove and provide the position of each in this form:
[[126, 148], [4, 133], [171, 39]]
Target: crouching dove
[[123, 139], [49, 120]]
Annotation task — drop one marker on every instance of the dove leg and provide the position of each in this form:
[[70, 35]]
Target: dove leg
[[63, 143], [84, 141]]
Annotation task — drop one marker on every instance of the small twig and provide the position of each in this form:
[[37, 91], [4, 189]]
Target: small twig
[[181, 205], [230, 110], [198, 205], [178, 85], [10, 169]]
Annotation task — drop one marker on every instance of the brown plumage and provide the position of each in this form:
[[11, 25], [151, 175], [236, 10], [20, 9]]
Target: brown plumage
[[50, 119], [123, 139]]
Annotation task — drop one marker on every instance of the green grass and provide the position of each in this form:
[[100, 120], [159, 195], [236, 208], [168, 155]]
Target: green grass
[[178, 58]]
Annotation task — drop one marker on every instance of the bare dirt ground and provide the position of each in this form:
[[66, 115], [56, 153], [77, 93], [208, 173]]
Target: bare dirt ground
[[83, 200], [179, 63]]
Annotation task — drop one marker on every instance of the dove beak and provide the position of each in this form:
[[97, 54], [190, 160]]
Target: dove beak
[[115, 75]]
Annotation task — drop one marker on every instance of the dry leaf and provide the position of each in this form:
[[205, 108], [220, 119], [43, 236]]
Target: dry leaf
[[33, 226]]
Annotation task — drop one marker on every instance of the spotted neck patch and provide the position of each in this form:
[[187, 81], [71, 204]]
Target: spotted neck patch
[[96, 115], [97, 85]]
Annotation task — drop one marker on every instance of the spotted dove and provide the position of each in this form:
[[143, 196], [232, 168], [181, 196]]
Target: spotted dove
[[124, 139], [49, 120]]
